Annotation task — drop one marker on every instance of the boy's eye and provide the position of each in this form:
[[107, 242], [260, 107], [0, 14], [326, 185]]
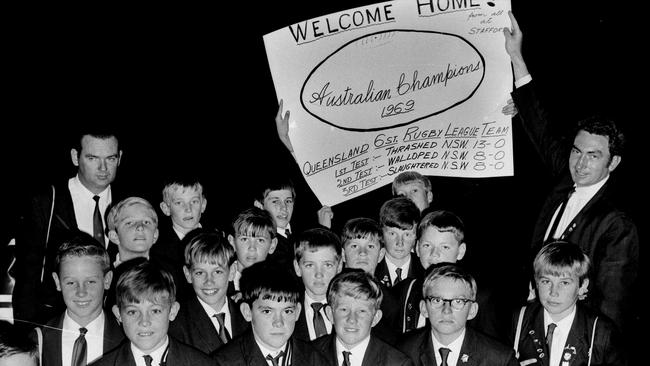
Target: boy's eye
[[198, 273], [156, 311], [130, 312]]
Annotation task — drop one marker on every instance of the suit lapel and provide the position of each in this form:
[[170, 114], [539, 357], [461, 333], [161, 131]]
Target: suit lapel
[[124, 355], [301, 331], [582, 214], [427, 356], [202, 325], [381, 273], [237, 322], [374, 354], [113, 334], [52, 342], [576, 348]]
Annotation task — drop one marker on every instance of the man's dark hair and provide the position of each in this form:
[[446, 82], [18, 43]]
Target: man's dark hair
[[599, 125]]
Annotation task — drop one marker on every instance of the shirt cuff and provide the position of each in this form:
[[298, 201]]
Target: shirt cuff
[[523, 81]]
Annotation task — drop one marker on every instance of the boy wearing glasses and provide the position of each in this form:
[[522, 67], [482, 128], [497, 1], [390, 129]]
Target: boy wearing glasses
[[449, 300]]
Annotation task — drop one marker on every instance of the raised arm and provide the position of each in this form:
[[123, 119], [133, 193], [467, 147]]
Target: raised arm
[[514, 39], [282, 125]]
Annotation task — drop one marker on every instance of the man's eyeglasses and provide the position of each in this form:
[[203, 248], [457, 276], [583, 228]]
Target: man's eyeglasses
[[456, 304]]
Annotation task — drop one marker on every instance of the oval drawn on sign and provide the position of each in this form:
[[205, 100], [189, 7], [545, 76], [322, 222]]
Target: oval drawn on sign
[[392, 78]]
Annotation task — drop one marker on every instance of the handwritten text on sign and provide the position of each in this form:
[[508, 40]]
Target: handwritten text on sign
[[405, 85]]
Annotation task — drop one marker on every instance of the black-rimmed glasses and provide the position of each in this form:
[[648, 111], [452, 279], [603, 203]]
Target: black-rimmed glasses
[[456, 304]]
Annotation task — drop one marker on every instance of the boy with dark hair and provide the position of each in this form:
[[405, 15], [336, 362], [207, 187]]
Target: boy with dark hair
[[145, 304], [354, 300], [556, 326], [270, 302], [277, 197], [254, 238], [317, 261], [209, 319], [449, 301], [399, 219], [84, 332]]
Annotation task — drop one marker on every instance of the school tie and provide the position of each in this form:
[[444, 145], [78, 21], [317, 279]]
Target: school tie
[[398, 272], [558, 217], [275, 361], [444, 353], [346, 358], [79, 349], [147, 359], [287, 233], [223, 331], [319, 322], [98, 224], [549, 335]]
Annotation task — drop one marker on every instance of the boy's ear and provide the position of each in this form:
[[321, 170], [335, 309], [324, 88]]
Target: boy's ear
[[231, 240], [423, 308], [232, 271], [116, 312], [246, 311], [296, 267], [174, 310], [164, 207], [258, 204], [155, 236], [339, 268], [56, 281], [108, 278], [188, 275], [204, 204], [298, 310], [462, 248], [274, 244], [382, 254], [376, 318], [112, 236], [417, 248], [74, 155], [328, 313], [429, 197], [473, 310], [584, 288]]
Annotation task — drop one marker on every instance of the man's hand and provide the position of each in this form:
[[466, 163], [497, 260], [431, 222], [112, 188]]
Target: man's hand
[[509, 109], [325, 216], [282, 125], [514, 39]]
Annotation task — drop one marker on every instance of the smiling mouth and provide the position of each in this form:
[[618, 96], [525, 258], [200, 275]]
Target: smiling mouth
[[145, 334], [82, 304], [210, 292]]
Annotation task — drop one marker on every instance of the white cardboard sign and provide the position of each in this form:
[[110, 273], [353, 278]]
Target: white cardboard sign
[[395, 86]]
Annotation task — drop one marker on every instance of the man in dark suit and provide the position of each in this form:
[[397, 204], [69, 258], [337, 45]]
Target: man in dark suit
[[581, 209], [50, 216]]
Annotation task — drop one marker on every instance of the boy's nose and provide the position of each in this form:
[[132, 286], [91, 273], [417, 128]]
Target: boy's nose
[[278, 321]]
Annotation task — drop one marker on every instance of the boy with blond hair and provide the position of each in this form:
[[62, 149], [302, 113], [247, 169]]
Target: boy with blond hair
[[209, 319]]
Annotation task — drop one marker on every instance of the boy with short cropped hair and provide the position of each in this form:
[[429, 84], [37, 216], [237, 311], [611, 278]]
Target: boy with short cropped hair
[[145, 304], [253, 238], [209, 319], [317, 261], [555, 325], [82, 275], [183, 203], [270, 302], [277, 197], [363, 248], [354, 301], [133, 226], [399, 219], [415, 187], [449, 301]]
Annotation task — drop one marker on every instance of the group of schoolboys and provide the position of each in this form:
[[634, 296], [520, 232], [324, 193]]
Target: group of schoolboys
[[385, 292]]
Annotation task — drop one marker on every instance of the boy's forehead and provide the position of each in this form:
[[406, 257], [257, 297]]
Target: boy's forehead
[[146, 300], [559, 273], [280, 193], [319, 252], [272, 302], [185, 191], [368, 239], [86, 261], [342, 298], [445, 285], [136, 210]]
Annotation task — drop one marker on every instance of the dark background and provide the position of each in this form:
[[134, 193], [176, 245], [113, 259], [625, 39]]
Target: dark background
[[189, 88]]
